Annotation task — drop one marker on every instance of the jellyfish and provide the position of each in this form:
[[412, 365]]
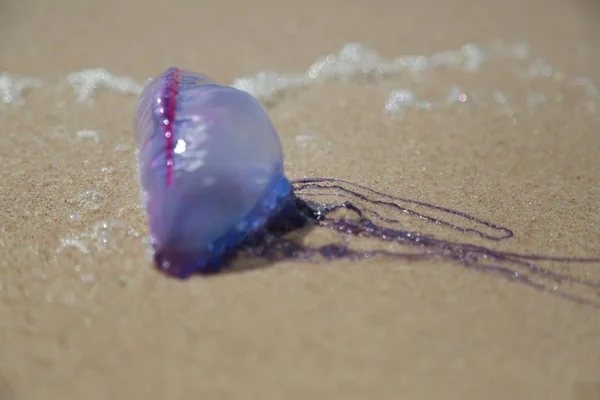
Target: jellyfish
[[210, 165]]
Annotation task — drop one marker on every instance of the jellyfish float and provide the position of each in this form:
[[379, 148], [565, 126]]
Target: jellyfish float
[[210, 166]]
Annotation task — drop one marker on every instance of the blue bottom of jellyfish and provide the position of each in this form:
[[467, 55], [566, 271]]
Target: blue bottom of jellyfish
[[278, 205]]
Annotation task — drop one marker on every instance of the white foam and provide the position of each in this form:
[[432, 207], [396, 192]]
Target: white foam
[[87, 81], [72, 242], [88, 134], [13, 86], [98, 237], [400, 100], [304, 139], [356, 60]]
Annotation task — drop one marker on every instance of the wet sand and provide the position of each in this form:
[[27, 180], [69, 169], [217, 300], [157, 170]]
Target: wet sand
[[99, 322]]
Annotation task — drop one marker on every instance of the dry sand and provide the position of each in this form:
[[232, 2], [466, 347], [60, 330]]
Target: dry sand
[[106, 325]]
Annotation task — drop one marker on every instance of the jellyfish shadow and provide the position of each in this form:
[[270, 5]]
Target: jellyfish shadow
[[357, 213]]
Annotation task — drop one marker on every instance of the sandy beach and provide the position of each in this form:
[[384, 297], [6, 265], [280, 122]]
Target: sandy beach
[[499, 119]]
